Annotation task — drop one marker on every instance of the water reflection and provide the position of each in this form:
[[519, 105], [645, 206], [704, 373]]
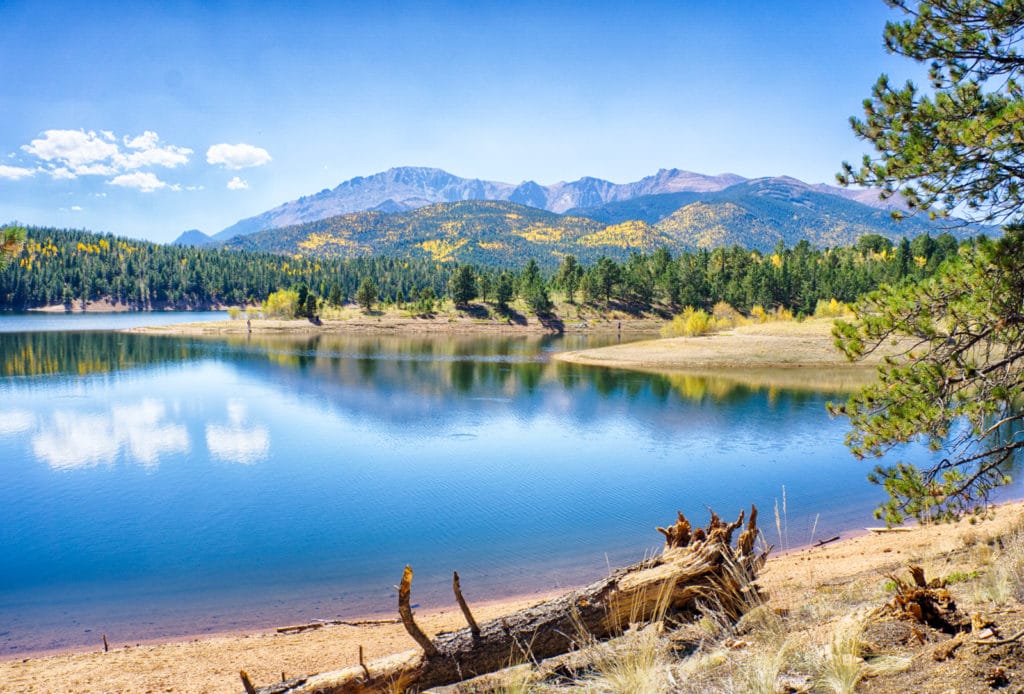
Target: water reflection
[[318, 454], [73, 439], [238, 441], [83, 354], [15, 422]]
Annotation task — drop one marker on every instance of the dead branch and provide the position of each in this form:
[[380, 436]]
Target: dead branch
[[1001, 642], [362, 664], [457, 589], [405, 612], [698, 567]]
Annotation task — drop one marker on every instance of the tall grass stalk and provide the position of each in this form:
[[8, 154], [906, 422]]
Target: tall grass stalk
[[782, 523]]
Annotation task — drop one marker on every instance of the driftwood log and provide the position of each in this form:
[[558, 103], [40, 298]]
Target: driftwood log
[[698, 567]]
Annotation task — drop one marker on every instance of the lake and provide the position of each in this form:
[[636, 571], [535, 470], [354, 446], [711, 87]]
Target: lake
[[156, 487], [34, 321]]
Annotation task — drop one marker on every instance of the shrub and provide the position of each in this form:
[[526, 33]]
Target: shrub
[[831, 309], [281, 304], [690, 323], [758, 314]]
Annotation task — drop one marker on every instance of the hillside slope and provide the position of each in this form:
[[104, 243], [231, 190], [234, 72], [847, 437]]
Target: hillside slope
[[507, 233]]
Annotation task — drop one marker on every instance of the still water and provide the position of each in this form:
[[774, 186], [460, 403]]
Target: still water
[[36, 320], [159, 486]]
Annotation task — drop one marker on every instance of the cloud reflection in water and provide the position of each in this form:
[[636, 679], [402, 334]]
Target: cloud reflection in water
[[76, 440], [16, 422], [235, 442]]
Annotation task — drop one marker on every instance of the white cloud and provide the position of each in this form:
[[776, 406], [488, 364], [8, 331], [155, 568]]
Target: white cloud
[[92, 170], [146, 140], [15, 172], [240, 156], [73, 148], [67, 154], [148, 152], [145, 181], [237, 184], [76, 208]]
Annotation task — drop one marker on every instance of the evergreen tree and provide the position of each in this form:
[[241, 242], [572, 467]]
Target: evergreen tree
[[425, 300], [302, 303], [462, 285], [569, 276], [486, 283], [504, 291], [607, 274], [958, 143], [335, 298], [367, 294], [959, 384]]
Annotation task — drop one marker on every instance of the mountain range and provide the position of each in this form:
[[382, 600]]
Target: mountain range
[[424, 211]]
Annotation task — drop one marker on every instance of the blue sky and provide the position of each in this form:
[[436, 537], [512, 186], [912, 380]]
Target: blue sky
[[146, 119]]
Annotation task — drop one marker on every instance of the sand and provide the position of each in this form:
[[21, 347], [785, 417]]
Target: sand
[[394, 324], [211, 664], [785, 354]]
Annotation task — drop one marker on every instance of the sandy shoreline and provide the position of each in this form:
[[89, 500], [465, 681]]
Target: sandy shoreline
[[780, 355], [211, 663], [405, 326], [783, 345]]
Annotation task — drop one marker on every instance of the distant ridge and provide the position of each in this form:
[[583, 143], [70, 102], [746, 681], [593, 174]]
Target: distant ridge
[[408, 188], [755, 214], [193, 237]]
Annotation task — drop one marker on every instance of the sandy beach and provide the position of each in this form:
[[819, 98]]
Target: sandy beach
[[785, 354], [392, 324], [778, 345], [212, 664]]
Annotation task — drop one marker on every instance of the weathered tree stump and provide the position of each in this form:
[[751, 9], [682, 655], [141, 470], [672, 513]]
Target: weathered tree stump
[[696, 567]]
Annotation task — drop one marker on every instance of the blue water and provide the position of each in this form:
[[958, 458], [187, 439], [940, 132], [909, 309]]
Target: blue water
[[159, 487], [35, 321]]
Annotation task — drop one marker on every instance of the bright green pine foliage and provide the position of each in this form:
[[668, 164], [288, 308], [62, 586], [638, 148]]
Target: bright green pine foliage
[[956, 383], [958, 143], [957, 380], [463, 286]]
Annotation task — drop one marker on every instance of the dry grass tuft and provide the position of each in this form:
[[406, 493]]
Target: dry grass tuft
[[1004, 581], [636, 663]]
